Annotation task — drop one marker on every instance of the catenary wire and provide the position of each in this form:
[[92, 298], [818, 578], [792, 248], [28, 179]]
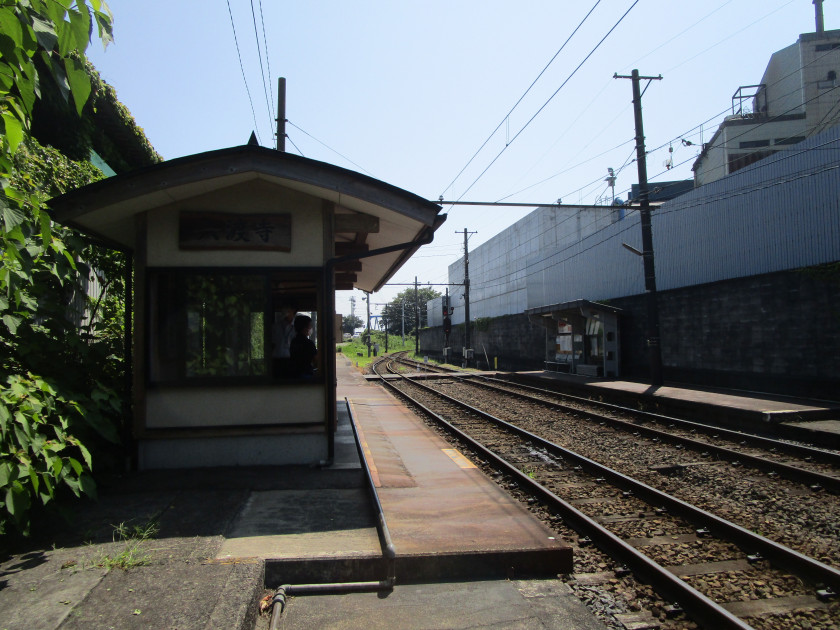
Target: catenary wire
[[242, 68], [268, 64], [262, 65], [700, 126], [524, 127], [507, 116], [329, 147]]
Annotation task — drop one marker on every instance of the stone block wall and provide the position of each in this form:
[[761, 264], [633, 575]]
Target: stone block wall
[[512, 339], [777, 333]]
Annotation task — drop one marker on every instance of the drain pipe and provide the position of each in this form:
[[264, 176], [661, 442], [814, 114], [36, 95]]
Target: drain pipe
[[389, 552]]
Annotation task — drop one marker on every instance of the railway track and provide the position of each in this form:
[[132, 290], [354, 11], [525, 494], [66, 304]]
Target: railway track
[[720, 572], [815, 467]]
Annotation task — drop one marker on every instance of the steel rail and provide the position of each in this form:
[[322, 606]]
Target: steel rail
[[783, 556], [702, 608], [774, 552], [795, 473], [828, 457]]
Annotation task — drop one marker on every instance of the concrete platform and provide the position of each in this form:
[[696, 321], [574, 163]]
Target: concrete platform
[[446, 518], [730, 408], [224, 535]]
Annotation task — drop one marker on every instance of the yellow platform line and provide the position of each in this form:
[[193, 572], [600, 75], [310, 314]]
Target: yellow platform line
[[458, 458]]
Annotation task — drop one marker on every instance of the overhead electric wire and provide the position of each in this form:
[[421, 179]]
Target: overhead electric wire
[[594, 157], [330, 148], [295, 146], [681, 33], [241, 67], [507, 116], [268, 65], [592, 52], [262, 67], [750, 25]]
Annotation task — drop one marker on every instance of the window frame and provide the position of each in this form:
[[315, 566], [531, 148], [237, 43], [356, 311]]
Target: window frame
[[268, 274]]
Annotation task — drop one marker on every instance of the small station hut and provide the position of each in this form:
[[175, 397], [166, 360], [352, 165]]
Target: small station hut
[[222, 243]]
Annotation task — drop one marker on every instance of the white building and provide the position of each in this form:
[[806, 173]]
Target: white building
[[497, 267], [799, 96]]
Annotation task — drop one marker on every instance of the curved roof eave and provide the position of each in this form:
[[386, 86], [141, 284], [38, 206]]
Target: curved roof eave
[[145, 187]]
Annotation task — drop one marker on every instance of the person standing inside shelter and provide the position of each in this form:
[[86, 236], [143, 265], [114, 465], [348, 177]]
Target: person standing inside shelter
[[282, 335], [302, 350]]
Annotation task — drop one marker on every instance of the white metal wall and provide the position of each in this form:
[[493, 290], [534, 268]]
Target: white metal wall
[[498, 266], [780, 213]]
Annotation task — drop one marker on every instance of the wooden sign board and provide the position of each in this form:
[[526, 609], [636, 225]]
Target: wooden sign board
[[220, 230]]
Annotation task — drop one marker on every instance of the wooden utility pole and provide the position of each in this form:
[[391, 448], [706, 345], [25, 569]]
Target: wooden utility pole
[[281, 114], [653, 339]]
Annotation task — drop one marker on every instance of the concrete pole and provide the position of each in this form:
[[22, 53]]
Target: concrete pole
[[653, 339], [466, 297], [416, 320], [281, 114]]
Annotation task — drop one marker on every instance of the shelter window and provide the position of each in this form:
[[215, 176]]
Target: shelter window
[[210, 326]]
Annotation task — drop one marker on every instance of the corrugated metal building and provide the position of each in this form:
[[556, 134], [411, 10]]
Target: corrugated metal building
[[497, 267], [780, 213], [748, 295]]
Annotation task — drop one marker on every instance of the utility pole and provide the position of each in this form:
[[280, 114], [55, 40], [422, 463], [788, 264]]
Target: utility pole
[[402, 330], [416, 320], [467, 347], [367, 323], [281, 114], [653, 340]]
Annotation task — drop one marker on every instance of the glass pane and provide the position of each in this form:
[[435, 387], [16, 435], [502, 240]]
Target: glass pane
[[225, 326]]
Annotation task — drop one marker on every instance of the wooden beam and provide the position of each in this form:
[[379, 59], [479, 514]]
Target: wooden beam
[[345, 249], [349, 265], [344, 286], [345, 277], [356, 223]]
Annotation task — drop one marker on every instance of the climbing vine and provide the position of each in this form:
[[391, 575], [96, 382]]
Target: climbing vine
[[53, 407]]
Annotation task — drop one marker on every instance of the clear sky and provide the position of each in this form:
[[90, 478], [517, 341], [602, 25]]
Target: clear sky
[[409, 91]]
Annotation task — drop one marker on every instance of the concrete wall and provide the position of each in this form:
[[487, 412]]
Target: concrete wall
[[777, 332], [512, 339]]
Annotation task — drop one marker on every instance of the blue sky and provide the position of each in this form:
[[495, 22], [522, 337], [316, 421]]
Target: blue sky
[[408, 91]]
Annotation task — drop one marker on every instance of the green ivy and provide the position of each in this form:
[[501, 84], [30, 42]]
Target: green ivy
[[482, 324], [54, 404]]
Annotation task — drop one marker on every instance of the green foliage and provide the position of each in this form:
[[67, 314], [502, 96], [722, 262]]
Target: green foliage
[[131, 555], [53, 407], [350, 323], [356, 350], [38, 455], [482, 324], [392, 313]]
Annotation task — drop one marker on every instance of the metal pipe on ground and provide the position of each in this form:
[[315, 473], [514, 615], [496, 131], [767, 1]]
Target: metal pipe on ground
[[388, 550]]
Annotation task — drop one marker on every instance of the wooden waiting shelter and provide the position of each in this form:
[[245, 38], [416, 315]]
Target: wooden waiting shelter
[[221, 243]]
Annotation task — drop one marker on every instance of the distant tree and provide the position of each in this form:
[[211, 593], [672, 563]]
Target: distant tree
[[350, 323], [392, 313]]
